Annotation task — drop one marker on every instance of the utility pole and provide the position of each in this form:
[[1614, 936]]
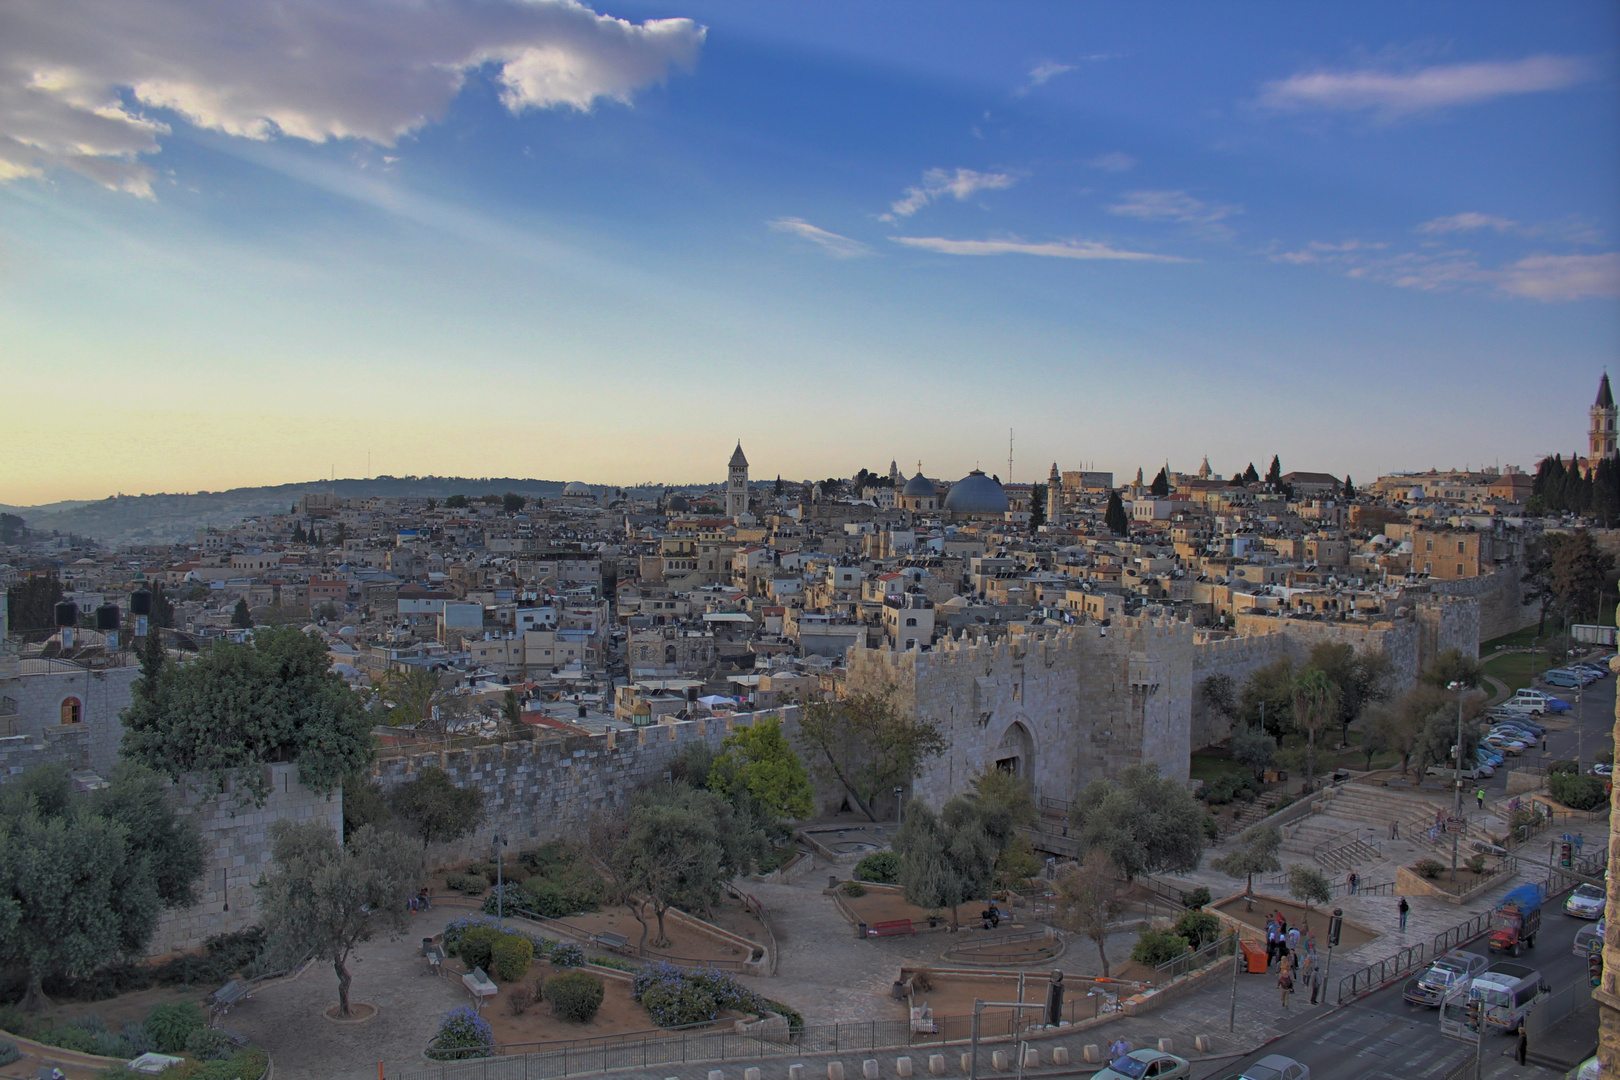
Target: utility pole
[[1237, 958], [1457, 774]]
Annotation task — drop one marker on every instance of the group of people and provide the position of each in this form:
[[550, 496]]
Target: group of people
[[422, 901], [1296, 958]]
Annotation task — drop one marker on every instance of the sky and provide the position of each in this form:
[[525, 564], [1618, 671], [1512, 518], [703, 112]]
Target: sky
[[254, 244]]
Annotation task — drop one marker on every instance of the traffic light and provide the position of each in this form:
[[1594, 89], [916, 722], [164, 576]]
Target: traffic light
[[1476, 1007], [1335, 925], [1566, 853], [1594, 963]]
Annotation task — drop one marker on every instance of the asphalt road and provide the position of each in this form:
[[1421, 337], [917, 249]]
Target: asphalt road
[[1596, 719]]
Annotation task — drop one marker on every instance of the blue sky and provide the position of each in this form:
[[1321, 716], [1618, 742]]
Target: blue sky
[[530, 238]]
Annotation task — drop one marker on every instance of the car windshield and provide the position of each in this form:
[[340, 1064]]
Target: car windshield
[[1450, 965], [1589, 892], [1260, 1072], [1135, 1068]]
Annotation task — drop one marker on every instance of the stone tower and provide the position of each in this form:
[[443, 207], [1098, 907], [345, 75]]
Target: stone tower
[[1601, 437], [737, 485], [1054, 497]]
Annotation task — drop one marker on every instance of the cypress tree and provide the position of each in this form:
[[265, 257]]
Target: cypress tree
[[1114, 515]]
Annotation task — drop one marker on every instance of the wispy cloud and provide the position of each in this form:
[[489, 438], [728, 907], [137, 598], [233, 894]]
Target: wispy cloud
[[1043, 73], [1116, 162], [1467, 222], [939, 182], [1179, 207], [1394, 94], [839, 247], [1318, 251], [1569, 231], [1548, 278], [1059, 249], [1555, 278]]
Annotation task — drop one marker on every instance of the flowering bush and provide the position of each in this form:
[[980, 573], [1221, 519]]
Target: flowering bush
[[675, 995], [509, 898], [462, 1034], [573, 995], [566, 954]]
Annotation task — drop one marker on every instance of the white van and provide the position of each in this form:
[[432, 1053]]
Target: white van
[[1531, 702], [1508, 992]]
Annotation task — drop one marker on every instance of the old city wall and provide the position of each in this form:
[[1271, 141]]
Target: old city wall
[[236, 842], [1502, 609], [88, 746], [1447, 622], [1237, 658], [1398, 638]]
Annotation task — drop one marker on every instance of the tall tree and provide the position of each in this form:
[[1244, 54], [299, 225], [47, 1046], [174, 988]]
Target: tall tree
[[1142, 821], [1578, 573], [865, 744], [1316, 705], [1274, 474], [1349, 488], [1037, 506], [162, 609], [1452, 666], [1267, 700], [1114, 516], [1086, 901], [1161, 484], [322, 899], [243, 706], [1309, 886], [1253, 748], [31, 602], [759, 761], [1255, 852], [1537, 579], [241, 617], [12, 528], [681, 845], [1250, 475], [1219, 694], [437, 809], [950, 859], [1361, 678], [513, 503]]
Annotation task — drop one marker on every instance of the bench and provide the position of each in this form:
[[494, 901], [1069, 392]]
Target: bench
[[608, 939], [891, 928], [479, 985]]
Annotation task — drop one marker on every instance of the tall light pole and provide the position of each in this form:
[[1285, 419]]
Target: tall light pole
[[496, 843], [1458, 688]]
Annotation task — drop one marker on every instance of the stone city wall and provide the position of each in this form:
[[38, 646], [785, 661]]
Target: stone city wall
[[102, 694], [1238, 658], [1502, 609]]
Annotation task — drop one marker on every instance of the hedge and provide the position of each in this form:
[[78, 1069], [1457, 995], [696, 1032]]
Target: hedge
[[573, 995], [172, 1024], [462, 1034], [512, 955]]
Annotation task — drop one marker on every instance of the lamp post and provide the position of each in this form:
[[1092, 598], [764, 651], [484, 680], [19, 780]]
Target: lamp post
[[496, 843], [1458, 688]]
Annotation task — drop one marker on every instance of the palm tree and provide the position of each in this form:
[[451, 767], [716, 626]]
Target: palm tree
[[1316, 702]]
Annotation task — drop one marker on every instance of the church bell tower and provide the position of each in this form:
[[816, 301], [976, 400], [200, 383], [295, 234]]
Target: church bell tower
[[1600, 441], [737, 485]]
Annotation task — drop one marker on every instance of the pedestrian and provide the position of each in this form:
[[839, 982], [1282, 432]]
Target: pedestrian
[[1285, 982], [1403, 909], [1481, 798], [1354, 879], [1293, 944], [1523, 1049], [1315, 981], [1394, 828]]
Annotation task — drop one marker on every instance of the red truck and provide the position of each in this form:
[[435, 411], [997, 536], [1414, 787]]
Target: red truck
[[1516, 920]]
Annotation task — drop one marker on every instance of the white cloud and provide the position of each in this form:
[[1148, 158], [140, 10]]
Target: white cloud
[[1318, 251], [74, 78], [1179, 207], [839, 247], [937, 182], [1061, 249], [1115, 162], [1467, 222], [1553, 278], [1398, 93], [1043, 73]]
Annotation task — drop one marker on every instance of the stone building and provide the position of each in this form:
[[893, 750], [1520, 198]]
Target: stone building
[[737, 485], [1600, 440]]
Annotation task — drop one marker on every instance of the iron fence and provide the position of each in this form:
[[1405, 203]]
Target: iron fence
[[1375, 975], [1462, 933], [1188, 962]]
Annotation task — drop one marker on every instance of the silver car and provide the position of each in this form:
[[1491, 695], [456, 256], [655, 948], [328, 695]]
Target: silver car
[[1586, 902], [1274, 1067]]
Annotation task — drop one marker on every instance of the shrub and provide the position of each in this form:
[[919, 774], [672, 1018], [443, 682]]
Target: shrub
[[1429, 868], [1475, 863], [675, 1004], [1555, 768], [138, 1038], [1198, 927], [573, 995], [1155, 947], [554, 898], [512, 955], [206, 1044], [462, 1034], [1528, 816], [854, 888], [617, 963], [519, 998], [8, 1052], [470, 884], [1212, 830], [172, 1024], [566, 954], [1578, 792], [793, 1016], [69, 1038], [922, 980], [114, 1046], [508, 898], [1197, 898], [477, 946], [880, 866]]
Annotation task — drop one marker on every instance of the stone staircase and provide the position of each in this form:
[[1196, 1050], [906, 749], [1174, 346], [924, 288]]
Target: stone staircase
[[1251, 813], [1335, 844]]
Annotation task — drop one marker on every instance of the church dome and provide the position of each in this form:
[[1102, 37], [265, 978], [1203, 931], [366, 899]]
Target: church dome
[[977, 493], [575, 487], [677, 504], [919, 487]]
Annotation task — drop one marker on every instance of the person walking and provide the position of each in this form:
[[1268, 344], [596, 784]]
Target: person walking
[[1293, 944], [1403, 909], [1523, 1049], [1315, 980], [1285, 981], [1354, 880], [1394, 828], [1481, 798]]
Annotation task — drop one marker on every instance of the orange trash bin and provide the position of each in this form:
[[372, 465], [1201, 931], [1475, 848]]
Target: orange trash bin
[[1255, 954]]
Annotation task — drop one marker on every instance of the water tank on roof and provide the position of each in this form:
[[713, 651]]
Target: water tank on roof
[[107, 617], [140, 602], [67, 613]]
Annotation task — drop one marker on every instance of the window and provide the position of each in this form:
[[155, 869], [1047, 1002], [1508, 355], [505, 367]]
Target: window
[[1459, 569], [72, 711], [1460, 548], [1428, 545], [911, 622]]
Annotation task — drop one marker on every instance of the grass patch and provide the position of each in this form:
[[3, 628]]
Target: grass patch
[[1516, 670], [1208, 768]]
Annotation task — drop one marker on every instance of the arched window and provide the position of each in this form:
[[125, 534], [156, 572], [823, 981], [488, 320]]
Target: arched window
[[911, 622], [72, 711]]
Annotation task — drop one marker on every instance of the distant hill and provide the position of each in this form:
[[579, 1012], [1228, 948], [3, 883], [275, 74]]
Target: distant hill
[[156, 519]]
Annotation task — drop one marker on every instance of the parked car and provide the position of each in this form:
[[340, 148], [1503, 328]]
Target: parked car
[[1596, 669], [1273, 1067], [1588, 934], [1601, 769], [1586, 902], [1566, 678], [1505, 744], [1447, 973], [1147, 1065], [1490, 757], [1533, 702]]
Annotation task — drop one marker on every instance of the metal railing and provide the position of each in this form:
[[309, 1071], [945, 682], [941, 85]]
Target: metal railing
[[1192, 961], [586, 937], [1461, 934], [1373, 976]]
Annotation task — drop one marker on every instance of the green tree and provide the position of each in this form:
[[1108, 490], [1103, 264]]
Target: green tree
[[1578, 573], [243, 706], [1007, 790], [12, 528], [1144, 822], [1537, 578], [162, 609], [681, 846], [1114, 516], [866, 745], [1451, 666], [758, 759], [950, 859], [1307, 885], [415, 699], [322, 900], [1316, 705], [241, 617], [1360, 678], [778, 489], [1268, 698], [363, 804], [511, 708], [1349, 488], [436, 808], [31, 602], [1037, 506], [1161, 484], [456, 502], [1255, 852], [513, 503], [1250, 476], [1274, 474], [1086, 900], [1219, 694], [137, 799], [1253, 748]]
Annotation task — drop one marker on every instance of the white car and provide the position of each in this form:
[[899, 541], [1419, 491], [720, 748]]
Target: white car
[[1145, 1065], [1274, 1067], [1586, 902]]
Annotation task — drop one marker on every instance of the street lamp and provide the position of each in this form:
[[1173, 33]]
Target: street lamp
[[496, 843], [1459, 689]]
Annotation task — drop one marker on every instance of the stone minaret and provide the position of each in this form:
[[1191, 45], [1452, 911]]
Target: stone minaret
[[737, 485], [1601, 438], [1054, 497]]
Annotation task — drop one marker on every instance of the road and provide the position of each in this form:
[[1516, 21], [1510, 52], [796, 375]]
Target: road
[[1596, 711]]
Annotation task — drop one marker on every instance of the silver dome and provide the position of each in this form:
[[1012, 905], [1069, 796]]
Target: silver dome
[[919, 487], [977, 493]]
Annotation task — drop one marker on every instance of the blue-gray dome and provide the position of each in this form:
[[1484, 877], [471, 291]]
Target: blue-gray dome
[[919, 487], [977, 493], [678, 504]]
